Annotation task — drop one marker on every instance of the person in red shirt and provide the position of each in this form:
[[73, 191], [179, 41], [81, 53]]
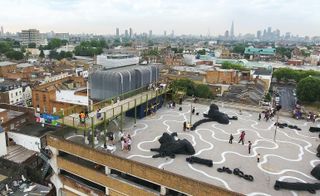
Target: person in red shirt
[[242, 137]]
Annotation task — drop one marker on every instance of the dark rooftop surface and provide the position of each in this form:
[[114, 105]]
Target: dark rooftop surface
[[36, 129]]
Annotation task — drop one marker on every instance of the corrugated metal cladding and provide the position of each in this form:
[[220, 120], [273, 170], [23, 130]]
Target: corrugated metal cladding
[[109, 83]]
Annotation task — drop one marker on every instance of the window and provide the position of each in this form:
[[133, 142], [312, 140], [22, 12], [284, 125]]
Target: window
[[37, 97], [16, 93]]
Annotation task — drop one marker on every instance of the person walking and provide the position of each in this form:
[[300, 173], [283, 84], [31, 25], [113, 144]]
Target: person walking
[[230, 139], [129, 142], [193, 110], [249, 147], [259, 116], [258, 158], [242, 137], [184, 126]]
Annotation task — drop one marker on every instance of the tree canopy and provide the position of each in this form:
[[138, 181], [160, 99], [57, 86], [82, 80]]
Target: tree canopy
[[90, 48], [239, 48], [55, 55], [54, 44], [284, 52], [236, 66], [16, 55], [290, 74], [308, 89], [198, 90], [7, 48]]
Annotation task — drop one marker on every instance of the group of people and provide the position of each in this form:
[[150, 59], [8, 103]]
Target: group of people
[[311, 117], [126, 142], [268, 114], [241, 140]]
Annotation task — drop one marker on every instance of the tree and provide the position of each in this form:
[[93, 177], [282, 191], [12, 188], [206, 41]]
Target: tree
[[16, 55], [308, 89], [229, 65], [203, 91], [41, 55], [201, 52], [32, 45], [185, 84], [284, 52], [53, 54], [239, 48]]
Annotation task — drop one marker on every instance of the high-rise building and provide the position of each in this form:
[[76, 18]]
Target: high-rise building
[[2, 33], [172, 33], [165, 33], [126, 34], [232, 30], [130, 33], [226, 34], [30, 36], [278, 33], [269, 31], [150, 33], [259, 34], [117, 32]]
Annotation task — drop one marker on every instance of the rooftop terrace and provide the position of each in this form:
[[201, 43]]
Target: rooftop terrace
[[290, 158]]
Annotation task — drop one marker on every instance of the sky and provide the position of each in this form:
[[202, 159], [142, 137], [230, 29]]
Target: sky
[[198, 17]]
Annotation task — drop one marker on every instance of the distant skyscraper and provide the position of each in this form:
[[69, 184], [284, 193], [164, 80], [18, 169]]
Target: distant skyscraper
[[278, 33], [117, 32], [172, 33], [259, 34], [150, 33], [165, 33], [269, 30], [232, 30], [126, 34], [226, 34], [130, 33], [1, 33]]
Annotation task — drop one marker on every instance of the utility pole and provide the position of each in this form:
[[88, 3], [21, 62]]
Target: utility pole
[[278, 108]]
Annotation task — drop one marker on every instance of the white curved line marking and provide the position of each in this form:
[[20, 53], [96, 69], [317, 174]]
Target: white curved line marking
[[166, 163]]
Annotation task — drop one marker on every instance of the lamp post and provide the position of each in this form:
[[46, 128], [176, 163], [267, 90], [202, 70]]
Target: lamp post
[[191, 115], [278, 107]]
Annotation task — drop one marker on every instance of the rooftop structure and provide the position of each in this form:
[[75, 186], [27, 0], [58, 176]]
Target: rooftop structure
[[259, 51], [110, 83], [116, 60]]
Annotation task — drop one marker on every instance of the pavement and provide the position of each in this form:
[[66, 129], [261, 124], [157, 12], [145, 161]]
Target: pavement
[[287, 100], [290, 158]]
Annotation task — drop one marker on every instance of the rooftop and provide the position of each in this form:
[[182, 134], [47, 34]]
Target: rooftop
[[35, 129], [24, 65], [6, 63], [263, 51], [68, 96], [288, 158]]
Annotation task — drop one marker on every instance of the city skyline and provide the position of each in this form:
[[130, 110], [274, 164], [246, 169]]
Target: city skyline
[[103, 17]]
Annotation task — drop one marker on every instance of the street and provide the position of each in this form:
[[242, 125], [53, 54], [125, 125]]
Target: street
[[287, 99]]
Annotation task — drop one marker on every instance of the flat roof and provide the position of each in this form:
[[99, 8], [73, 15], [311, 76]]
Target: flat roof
[[35, 129], [6, 63], [68, 96], [24, 65], [288, 158]]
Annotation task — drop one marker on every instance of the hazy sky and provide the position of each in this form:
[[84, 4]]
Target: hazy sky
[[183, 16]]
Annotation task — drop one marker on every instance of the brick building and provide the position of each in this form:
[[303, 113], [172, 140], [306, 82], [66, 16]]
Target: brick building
[[222, 76], [59, 94], [7, 67]]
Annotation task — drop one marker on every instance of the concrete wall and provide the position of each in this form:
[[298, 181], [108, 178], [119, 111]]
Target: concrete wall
[[29, 142], [3, 146]]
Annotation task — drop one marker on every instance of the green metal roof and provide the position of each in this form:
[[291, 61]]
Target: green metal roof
[[263, 51]]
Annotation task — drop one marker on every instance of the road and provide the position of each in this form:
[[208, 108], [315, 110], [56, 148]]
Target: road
[[287, 100]]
